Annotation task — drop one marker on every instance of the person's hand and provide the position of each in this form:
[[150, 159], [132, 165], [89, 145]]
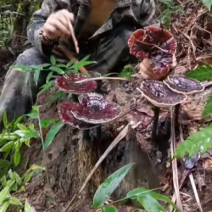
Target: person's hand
[[146, 72], [58, 24]]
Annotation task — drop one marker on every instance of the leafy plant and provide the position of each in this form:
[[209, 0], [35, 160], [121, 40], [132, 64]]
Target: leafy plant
[[201, 73], [147, 198], [166, 15], [200, 142], [207, 3], [127, 71], [12, 182]]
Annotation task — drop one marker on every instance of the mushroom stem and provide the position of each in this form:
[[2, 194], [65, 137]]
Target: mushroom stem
[[99, 132], [102, 78], [177, 111], [155, 123]]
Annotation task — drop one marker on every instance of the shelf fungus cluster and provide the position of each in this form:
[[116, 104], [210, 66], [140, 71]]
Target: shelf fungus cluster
[[168, 93], [158, 46], [91, 110]]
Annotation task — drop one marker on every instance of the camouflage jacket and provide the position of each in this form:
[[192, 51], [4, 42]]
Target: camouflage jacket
[[137, 12]]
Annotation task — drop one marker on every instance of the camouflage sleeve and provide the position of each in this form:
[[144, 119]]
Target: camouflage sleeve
[[38, 20], [147, 12]]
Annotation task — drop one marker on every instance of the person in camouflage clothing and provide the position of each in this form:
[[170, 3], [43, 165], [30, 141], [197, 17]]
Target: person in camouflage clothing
[[102, 29]]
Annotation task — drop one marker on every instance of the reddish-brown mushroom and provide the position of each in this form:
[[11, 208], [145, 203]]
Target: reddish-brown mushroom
[[95, 109], [66, 116], [182, 84], [67, 84], [156, 44]]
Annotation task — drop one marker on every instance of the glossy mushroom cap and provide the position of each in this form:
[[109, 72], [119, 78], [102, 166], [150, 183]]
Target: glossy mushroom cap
[[182, 84], [95, 109], [156, 44], [159, 94], [66, 116], [67, 84]]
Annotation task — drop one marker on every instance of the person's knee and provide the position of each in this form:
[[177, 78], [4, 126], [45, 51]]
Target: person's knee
[[30, 57]]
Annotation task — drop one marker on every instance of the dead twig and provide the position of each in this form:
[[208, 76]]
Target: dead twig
[[195, 192], [102, 78], [120, 136]]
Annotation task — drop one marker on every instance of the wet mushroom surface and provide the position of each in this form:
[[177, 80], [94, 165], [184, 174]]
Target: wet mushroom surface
[[67, 117], [182, 84], [159, 94], [67, 84], [154, 43], [95, 109]]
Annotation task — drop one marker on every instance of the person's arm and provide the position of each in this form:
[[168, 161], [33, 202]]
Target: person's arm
[[53, 20], [147, 12]]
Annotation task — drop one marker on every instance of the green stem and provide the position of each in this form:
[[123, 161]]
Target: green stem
[[44, 152]]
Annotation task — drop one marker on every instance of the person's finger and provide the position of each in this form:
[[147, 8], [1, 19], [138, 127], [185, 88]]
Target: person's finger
[[51, 31], [59, 26]]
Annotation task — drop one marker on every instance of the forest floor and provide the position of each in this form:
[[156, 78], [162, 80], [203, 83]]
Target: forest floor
[[71, 157]]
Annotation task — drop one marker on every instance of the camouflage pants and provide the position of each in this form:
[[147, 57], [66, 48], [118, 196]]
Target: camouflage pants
[[110, 52]]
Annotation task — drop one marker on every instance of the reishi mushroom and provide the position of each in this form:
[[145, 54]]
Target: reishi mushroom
[[67, 83], [160, 96], [91, 111], [95, 109], [182, 84], [156, 44], [66, 116]]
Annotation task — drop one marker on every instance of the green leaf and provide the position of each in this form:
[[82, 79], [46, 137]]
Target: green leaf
[[84, 62], [6, 191], [199, 142], [16, 178], [49, 77], [201, 73], [36, 76], [70, 63], [17, 157], [57, 70], [207, 3], [150, 204], [46, 123], [56, 97], [4, 181], [46, 86], [4, 206], [7, 147], [208, 108], [109, 185], [4, 164], [61, 65], [53, 60], [167, 2], [22, 127], [27, 133], [27, 77], [36, 107], [5, 120], [109, 209], [45, 65], [28, 208], [15, 201], [28, 177], [52, 133], [139, 192], [17, 121]]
